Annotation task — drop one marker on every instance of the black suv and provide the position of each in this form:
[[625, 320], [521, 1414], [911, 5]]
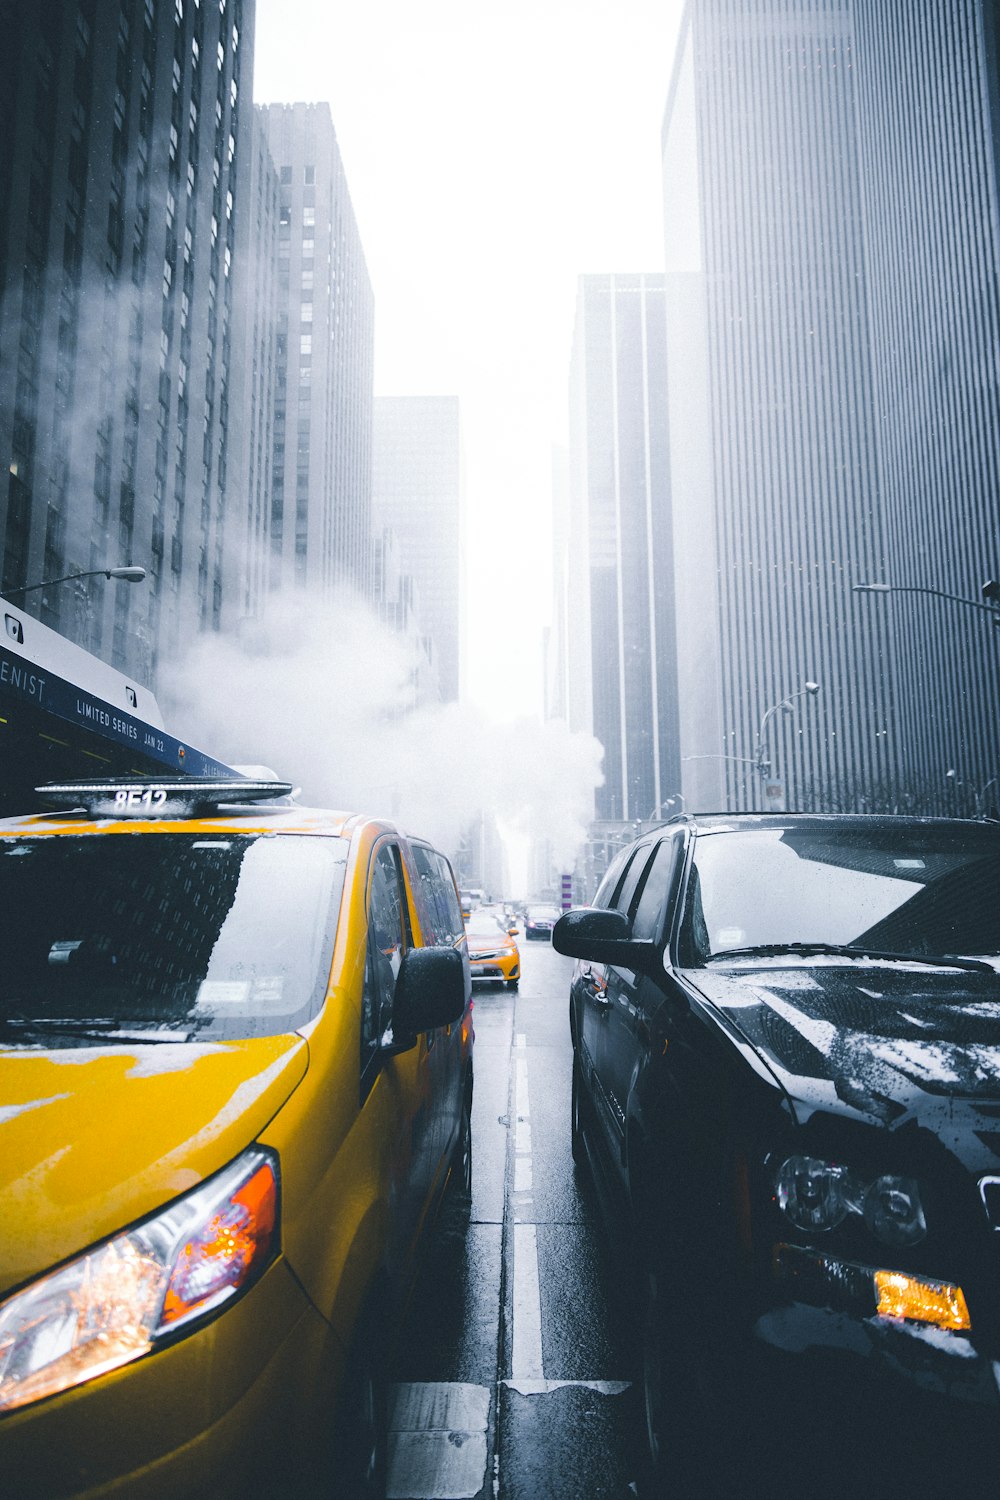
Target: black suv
[[786, 1073]]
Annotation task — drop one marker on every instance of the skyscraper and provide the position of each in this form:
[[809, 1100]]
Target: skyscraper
[[417, 493], [124, 125], [831, 238], [620, 536], [322, 457]]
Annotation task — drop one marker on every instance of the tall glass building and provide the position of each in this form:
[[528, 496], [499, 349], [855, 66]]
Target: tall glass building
[[321, 472], [831, 238], [621, 640], [417, 493], [124, 124]]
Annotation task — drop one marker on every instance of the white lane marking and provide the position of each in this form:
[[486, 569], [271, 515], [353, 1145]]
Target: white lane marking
[[437, 1441], [522, 1174], [520, 1040], [543, 1387], [521, 1086], [526, 1339]]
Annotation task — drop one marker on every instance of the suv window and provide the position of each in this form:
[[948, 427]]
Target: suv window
[[652, 898], [386, 946], [609, 885], [629, 883]]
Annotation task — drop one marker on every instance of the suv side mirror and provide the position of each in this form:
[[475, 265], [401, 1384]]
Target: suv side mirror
[[430, 992], [602, 935]]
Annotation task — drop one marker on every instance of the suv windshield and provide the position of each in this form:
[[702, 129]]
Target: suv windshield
[[917, 891], [174, 937]]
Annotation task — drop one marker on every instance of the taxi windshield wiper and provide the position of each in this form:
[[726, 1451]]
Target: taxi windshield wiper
[[91, 1030], [853, 950]]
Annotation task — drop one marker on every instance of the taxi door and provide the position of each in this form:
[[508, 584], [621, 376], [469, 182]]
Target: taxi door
[[399, 1087], [442, 925]]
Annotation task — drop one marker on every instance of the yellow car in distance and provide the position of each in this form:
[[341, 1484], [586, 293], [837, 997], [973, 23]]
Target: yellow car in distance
[[493, 950], [235, 1077]]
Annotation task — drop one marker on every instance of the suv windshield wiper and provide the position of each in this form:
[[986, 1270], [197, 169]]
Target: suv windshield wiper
[[848, 950], [89, 1030]]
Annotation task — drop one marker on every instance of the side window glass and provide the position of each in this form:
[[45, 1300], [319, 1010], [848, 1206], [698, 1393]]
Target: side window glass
[[652, 897], [386, 946], [608, 886], [629, 883], [440, 913]]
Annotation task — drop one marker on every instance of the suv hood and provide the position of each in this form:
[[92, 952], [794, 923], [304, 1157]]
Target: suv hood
[[882, 1040], [94, 1138]]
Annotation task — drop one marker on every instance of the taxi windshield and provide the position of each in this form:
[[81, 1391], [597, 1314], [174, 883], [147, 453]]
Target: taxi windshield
[[179, 937]]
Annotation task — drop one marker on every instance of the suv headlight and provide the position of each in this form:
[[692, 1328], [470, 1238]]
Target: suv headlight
[[120, 1299], [818, 1195]]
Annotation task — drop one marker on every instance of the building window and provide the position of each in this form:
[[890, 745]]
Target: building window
[[308, 174]]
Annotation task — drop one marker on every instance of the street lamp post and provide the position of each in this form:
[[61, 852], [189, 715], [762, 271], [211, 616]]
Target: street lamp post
[[784, 705], [124, 574], [667, 802], [990, 591]]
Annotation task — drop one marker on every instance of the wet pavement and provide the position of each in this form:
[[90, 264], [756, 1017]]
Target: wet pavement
[[516, 1378]]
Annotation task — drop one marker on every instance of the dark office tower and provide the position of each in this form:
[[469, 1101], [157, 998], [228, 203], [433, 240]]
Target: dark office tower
[[255, 374], [620, 529], [927, 81], [417, 492], [321, 471], [121, 159], [831, 238]]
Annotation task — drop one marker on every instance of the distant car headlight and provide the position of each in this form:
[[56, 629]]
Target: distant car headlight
[[817, 1195], [120, 1299]]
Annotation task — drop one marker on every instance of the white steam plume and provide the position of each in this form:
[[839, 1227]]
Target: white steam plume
[[324, 694]]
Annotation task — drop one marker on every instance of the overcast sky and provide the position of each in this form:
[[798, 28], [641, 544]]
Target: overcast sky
[[494, 151]]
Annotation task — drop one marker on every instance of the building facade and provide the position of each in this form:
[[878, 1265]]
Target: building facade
[[417, 493], [320, 522], [124, 127], [831, 250], [622, 636]]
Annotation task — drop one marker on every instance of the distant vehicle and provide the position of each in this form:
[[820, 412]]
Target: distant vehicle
[[236, 1068], [470, 897], [493, 950], [540, 920], [786, 1077]]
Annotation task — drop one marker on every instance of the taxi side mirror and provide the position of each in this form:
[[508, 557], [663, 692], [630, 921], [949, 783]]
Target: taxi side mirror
[[430, 992]]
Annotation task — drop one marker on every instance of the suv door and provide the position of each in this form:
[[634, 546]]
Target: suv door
[[633, 998], [590, 986]]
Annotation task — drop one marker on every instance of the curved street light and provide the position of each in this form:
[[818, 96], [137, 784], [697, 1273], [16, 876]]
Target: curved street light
[[784, 705], [667, 802], [125, 574], [990, 590]]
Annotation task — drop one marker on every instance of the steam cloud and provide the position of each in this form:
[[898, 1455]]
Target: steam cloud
[[324, 694]]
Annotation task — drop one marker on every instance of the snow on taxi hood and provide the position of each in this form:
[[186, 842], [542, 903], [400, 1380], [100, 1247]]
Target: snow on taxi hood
[[882, 1040], [94, 1138]]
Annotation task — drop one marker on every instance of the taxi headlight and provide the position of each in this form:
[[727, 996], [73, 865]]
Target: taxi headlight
[[123, 1297], [818, 1195]]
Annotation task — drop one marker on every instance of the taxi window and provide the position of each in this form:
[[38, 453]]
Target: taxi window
[[440, 912], [387, 927], [179, 937]]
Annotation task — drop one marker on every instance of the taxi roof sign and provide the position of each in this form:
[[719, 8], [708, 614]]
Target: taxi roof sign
[[158, 796]]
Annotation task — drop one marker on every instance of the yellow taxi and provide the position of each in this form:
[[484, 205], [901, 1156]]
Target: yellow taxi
[[493, 951], [235, 1077]]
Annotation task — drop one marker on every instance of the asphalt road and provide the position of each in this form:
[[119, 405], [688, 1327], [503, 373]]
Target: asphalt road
[[516, 1377]]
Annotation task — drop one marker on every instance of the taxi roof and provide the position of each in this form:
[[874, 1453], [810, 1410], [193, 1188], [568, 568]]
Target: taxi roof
[[248, 819], [177, 805]]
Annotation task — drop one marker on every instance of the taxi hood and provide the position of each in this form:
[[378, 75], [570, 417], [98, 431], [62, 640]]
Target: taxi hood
[[94, 1138]]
